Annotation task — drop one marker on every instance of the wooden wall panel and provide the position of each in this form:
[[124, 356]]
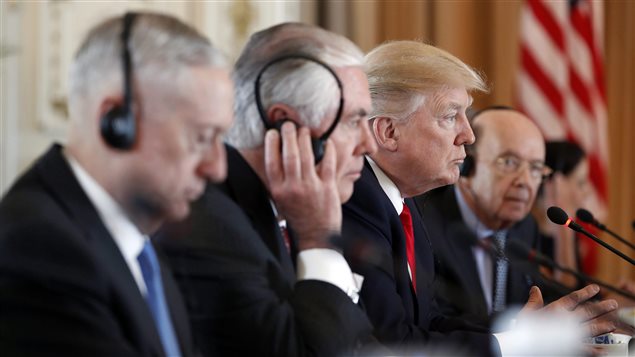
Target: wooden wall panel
[[485, 35]]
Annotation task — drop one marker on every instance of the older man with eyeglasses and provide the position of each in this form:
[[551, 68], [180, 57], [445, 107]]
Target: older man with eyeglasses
[[471, 222]]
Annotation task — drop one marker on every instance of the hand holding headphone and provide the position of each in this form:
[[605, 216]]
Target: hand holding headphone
[[316, 143]]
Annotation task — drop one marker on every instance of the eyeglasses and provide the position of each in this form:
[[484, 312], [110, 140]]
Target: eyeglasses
[[512, 164]]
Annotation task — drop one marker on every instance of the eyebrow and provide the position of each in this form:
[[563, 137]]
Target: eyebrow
[[512, 153], [361, 112]]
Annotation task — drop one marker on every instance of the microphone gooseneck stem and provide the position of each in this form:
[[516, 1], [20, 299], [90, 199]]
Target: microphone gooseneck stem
[[590, 279], [616, 236], [605, 245]]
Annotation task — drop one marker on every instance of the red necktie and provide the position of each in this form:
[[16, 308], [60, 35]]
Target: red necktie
[[285, 235], [406, 222]]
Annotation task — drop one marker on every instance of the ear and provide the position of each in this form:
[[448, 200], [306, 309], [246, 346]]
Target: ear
[[107, 104], [386, 132], [281, 111]]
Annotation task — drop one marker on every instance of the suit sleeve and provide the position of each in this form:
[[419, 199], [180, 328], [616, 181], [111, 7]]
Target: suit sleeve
[[242, 303], [53, 297]]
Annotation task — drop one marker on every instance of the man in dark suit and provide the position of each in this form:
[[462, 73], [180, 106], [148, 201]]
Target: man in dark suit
[[149, 98], [494, 195], [420, 94], [260, 272]]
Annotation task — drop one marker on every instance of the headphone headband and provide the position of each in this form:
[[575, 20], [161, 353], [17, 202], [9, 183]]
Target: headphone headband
[[261, 109], [126, 57]]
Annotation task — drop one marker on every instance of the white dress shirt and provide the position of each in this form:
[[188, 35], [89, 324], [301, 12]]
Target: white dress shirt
[[392, 191], [484, 262], [326, 265], [126, 235]]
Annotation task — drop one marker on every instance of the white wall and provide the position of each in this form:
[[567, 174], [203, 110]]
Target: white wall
[[40, 38]]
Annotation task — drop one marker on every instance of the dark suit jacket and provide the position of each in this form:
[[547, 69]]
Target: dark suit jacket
[[65, 288], [402, 318], [459, 290], [239, 280]]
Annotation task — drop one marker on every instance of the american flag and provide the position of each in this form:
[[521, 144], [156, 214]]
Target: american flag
[[560, 82]]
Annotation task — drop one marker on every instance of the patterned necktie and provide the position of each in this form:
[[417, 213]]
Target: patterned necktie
[[499, 297], [155, 298], [406, 222]]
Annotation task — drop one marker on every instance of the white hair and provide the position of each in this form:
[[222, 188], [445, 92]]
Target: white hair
[[303, 85]]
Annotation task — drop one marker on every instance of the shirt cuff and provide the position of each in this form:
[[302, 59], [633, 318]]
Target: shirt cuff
[[329, 265]]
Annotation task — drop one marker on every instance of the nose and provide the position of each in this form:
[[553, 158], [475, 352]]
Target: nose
[[213, 165], [523, 176], [465, 135], [367, 145]]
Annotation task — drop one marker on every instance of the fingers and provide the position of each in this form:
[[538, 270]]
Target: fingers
[[328, 164], [599, 326], [307, 159], [290, 151], [570, 301], [273, 157], [534, 302], [592, 310]]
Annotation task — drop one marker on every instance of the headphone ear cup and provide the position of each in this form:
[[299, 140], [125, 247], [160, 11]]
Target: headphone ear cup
[[279, 123], [467, 169], [318, 149], [118, 128]]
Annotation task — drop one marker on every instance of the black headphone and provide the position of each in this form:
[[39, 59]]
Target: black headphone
[[467, 169], [469, 163], [118, 125], [316, 143]]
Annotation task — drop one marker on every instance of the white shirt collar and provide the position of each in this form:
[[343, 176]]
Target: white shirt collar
[[126, 235], [388, 186]]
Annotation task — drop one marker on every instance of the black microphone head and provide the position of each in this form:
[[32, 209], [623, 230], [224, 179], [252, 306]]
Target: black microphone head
[[557, 215], [585, 216]]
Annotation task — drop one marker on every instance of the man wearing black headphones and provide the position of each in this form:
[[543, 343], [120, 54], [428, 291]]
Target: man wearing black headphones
[[149, 101], [257, 260], [471, 221]]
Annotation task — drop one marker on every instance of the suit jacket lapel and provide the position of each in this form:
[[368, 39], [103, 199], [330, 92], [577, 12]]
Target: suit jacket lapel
[[61, 182], [465, 263], [249, 192]]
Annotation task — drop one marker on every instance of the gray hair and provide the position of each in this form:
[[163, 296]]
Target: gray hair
[[286, 81], [161, 46]]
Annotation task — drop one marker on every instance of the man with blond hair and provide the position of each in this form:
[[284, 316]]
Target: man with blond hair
[[149, 100], [420, 95]]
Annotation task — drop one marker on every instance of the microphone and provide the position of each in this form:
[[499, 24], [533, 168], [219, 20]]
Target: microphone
[[559, 216], [587, 217], [518, 250]]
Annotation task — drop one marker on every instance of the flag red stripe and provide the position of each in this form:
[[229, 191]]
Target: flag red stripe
[[598, 175], [550, 24], [541, 80], [581, 91], [582, 24]]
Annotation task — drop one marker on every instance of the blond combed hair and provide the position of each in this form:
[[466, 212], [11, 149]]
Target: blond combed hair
[[401, 74]]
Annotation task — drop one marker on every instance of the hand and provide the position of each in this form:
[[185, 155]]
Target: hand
[[305, 195], [595, 316]]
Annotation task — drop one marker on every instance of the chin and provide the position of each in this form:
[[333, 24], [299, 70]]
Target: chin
[[345, 193], [179, 212]]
